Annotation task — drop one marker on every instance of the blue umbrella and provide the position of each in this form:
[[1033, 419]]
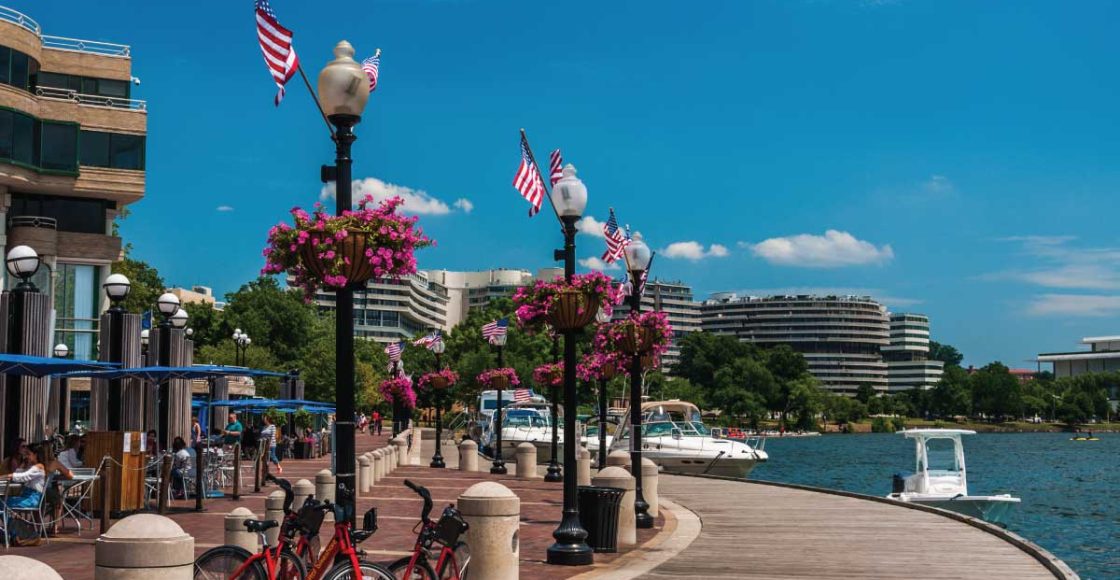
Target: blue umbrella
[[157, 373], [41, 366]]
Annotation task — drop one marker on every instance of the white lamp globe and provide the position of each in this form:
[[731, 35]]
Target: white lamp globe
[[179, 319], [61, 350], [638, 254], [569, 195], [168, 304], [23, 262], [343, 85], [117, 287], [439, 347], [144, 336]]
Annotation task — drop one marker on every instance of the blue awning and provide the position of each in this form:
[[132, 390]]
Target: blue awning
[[157, 373], [286, 405], [41, 366]]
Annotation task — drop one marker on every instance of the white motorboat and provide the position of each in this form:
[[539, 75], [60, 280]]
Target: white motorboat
[[675, 438], [940, 479], [526, 422]]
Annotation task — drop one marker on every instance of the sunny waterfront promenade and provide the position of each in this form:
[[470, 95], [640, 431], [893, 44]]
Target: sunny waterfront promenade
[[756, 530]]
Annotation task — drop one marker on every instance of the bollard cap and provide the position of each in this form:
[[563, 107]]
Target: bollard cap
[[145, 541], [303, 487], [614, 477], [584, 453], [649, 467], [489, 498], [525, 448], [22, 568], [468, 444], [274, 501], [618, 457], [363, 460], [324, 476]]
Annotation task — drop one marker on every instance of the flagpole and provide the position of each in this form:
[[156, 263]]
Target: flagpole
[[544, 182], [315, 98]]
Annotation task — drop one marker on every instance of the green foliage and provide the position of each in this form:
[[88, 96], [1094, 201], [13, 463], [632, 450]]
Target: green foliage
[[952, 395], [865, 393], [257, 357], [207, 324], [274, 318], [880, 425], [303, 418], [945, 353], [996, 392], [278, 417], [147, 284], [317, 365]]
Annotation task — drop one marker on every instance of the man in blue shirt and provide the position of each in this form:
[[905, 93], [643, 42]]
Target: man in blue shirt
[[233, 430]]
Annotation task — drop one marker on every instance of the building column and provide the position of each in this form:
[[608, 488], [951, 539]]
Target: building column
[[31, 336]]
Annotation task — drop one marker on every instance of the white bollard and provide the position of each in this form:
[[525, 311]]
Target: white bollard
[[649, 486], [274, 510], [324, 485], [526, 461], [144, 546], [402, 451], [618, 458], [468, 455], [391, 458], [302, 490], [237, 534], [620, 478], [363, 474], [21, 568], [414, 451], [583, 467], [493, 513], [378, 465]]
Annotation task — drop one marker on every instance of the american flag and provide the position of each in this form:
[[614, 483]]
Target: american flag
[[428, 341], [520, 395], [276, 44], [528, 179], [370, 66], [394, 351], [555, 167], [492, 330], [616, 241]]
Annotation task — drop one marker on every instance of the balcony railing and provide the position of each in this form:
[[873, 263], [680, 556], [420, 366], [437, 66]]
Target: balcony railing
[[32, 221], [9, 15], [62, 42], [93, 100]]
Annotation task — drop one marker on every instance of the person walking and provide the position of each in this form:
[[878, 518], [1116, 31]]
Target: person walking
[[269, 434], [376, 422]]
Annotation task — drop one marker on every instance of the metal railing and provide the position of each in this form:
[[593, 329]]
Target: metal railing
[[9, 15], [90, 46], [94, 100], [32, 221]]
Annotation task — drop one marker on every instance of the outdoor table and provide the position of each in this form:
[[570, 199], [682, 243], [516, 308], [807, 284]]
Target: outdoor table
[[73, 492]]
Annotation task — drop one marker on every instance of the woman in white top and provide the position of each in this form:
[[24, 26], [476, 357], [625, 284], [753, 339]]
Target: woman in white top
[[269, 434], [32, 476]]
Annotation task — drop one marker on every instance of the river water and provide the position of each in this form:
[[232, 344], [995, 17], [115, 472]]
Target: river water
[[1070, 489]]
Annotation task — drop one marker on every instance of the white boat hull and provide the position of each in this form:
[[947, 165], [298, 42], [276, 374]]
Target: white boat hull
[[990, 508], [726, 467]]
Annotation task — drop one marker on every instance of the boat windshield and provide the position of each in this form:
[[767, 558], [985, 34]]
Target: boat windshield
[[941, 455], [517, 418], [665, 429]]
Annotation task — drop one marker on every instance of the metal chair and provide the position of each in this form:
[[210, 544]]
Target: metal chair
[[34, 517], [75, 493]]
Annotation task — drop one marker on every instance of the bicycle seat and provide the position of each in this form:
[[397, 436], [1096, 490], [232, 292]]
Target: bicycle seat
[[258, 526], [360, 536]]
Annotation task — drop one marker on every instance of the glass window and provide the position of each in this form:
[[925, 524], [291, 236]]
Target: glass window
[[94, 148], [75, 299], [127, 151], [73, 214], [5, 134], [23, 138], [59, 146], [111, 88], [20, 70], [89, 86], [5, 64], [54, 80]]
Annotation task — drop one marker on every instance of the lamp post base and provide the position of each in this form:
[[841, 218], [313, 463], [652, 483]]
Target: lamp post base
[[571, 548], [437, 461], [554, 473], [498, 467], [642, 519]]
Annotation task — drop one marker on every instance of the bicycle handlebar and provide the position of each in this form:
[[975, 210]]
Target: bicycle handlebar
[[426, 495]]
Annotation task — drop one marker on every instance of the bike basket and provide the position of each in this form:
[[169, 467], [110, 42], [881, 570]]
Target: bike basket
[[310, 518], [449, 527]]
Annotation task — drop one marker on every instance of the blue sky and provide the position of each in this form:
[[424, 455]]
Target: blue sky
[[959, 159]]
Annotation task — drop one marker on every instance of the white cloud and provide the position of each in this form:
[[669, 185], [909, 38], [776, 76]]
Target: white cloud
[[938, 185], [590, 226], [416, 201], [225, 208], [832, 250], [594, 263], [1061, 265], [692, 250], [464, 204], [1081, 305]]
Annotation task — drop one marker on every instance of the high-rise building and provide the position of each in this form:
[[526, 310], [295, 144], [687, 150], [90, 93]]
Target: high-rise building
[[840, 336], [469, 290], [675, 300], [907, 355], [72, 143]]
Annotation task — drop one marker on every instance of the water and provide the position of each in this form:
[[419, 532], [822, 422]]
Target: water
[[1070, 489]]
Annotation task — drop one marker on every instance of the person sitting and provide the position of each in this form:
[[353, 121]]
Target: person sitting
[[14, 459], [152, 443], [54, 498], [72, 456], [232, 433], [32, 475], [182, 467]]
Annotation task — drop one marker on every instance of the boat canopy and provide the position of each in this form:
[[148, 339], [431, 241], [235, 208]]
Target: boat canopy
[[935, 433]]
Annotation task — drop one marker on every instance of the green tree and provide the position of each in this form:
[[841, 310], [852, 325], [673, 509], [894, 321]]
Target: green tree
[[318, 369], [952, 395], [704, 353], [273, 317], [945, 353], [257, 357], [995, 392], [865, 393], [147, 284], [206, 322], [741, 389], [805, 401]]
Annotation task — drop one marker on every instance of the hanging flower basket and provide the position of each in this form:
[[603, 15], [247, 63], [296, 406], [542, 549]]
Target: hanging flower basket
[[572, 310], [319, 257], [649, 362], [549, 375], [565, 306], [598, 365], [398, 390], [499, 378], [439, 380], [649, 333]]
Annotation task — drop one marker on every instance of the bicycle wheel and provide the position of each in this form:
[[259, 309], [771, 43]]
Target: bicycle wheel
[[421, 571], [220, 564], [462, 559], [370, 571], [291, 566]]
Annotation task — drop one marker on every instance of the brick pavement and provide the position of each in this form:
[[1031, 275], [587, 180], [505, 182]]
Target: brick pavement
[[398, 511]]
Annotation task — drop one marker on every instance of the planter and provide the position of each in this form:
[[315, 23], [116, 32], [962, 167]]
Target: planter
[[572, 310], [353, 246], [608, 372], [438, 382], [499, 382], [648, 362]]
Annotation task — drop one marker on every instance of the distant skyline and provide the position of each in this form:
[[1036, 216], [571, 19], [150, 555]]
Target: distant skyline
[[957, 159]]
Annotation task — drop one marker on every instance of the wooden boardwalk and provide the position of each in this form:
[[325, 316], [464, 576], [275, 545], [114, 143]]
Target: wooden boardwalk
[[762, 531]]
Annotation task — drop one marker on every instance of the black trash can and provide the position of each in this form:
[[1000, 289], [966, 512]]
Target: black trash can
[[598, 514]]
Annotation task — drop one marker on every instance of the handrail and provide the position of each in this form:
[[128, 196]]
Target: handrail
[[94, 100], [21, 19], [90, 46], [30, 221]]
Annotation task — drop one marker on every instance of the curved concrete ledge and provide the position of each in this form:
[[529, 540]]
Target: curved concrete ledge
[[1052, 563], [682, 527]]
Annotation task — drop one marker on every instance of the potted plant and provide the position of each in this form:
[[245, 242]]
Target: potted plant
[[549, 375], [599, 365], [648, 332], [565, 306], [320, 249], [398, 391], [498, 378], [438, 380]]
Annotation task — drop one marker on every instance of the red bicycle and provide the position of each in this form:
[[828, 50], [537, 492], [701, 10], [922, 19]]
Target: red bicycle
[[237, 563], [341, 559], [454, 555]]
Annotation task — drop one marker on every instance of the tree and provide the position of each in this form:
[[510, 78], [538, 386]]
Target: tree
[[945, 353], [257, 357], [703, 353], [318, 370], [272, 317], [865, 393], [995, 392], [951, 396], [147, 285], [741, 389], [206, 322], [805, 401]]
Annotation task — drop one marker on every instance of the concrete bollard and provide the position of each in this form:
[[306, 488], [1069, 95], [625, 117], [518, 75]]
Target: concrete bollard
[[468, 455], [618, 458], [363, 474], [324, 485], [144, 546], [414, 451], [583, 467], [526, 461], [274, 510], [389, 453], [402, 451], [378, 466], [21, 568], [236, 534], [649, 485], [620, 478], [302, 490], [493, 513]]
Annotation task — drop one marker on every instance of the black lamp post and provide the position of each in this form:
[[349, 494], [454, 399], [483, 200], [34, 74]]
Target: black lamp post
[[569, 198], [498, 466], [168, 305], [343, 92], [437, 396], [116, 288], [638, 257], [395, 369], [603, 318], [241, 342], [22, 263], [554, 473]]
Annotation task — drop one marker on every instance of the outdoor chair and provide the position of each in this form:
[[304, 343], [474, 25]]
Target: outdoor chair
[[34, 516], [78, 492]]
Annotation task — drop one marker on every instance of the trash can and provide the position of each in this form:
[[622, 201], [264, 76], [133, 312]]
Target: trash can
[[598, 513]]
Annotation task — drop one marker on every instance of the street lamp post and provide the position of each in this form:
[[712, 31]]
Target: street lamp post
[[569, 198], [602, 318], [241, 342], [168, 306], [22, 263], [638, 257], [437, 396], [343, 92], [554, 473], [498, 466], [62, 351], [116, 288]]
